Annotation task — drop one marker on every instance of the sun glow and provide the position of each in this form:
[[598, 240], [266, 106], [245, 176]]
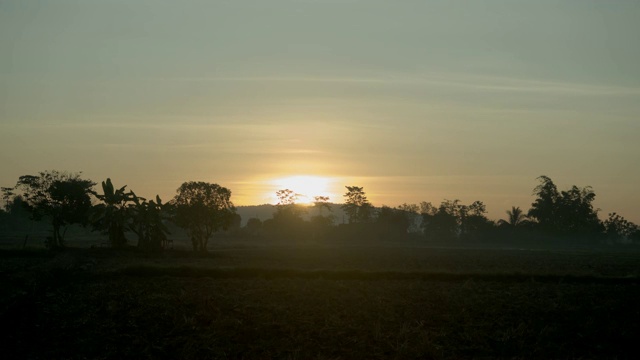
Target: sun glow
[[305, 186]]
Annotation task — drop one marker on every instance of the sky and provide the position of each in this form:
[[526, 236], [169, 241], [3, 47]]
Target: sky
[[413, 100]]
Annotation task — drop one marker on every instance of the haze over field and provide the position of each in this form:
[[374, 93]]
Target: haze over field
[[415, 100]]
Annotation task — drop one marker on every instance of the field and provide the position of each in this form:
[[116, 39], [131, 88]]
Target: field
[[320, 302]]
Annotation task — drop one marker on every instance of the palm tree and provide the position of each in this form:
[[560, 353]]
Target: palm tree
[[516, 218]]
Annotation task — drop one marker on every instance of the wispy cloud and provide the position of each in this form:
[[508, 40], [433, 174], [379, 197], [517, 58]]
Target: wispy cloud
[[454, 80], [321, 79], [165, 122], [140, 124], [509, 84], [232, 148]]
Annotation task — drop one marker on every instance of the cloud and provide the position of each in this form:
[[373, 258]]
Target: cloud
[[507, 84], [454, 80], [320, 79]]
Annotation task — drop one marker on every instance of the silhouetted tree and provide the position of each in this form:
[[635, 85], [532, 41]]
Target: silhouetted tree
[[320, 226], [18, 207], [576, 213], [62, 197], [235, 223], [427, 208], [148, 222], [254, 225], [452, 220], [287, 219], [201, 209], [286, 197], [269, 226], [16, 215], [7, 195], [619, 229], [356, 205], [321, 202], [412, 211], [320, 223], [286, 209], [474, 225], [516, 225], [112, 215], [440, 223], [515, 218], [568, 213], [544, 208], [392, 223]]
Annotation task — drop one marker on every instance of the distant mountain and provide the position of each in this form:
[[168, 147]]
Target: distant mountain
[[265, 211]]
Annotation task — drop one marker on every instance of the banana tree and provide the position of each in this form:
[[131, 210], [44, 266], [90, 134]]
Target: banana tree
[[112, 215], [148, 222]]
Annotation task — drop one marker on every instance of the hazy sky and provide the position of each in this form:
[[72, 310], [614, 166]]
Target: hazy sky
[[414, 100]]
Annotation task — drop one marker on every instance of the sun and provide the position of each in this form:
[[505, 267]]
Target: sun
[[306, 186]]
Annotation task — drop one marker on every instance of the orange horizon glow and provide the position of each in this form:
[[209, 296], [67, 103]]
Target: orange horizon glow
[[305, 186]]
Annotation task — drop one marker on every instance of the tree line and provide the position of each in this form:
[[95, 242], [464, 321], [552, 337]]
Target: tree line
[[568, 214], [64, 199], [202, 209]]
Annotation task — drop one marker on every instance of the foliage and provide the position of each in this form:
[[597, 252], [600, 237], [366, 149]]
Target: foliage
[[286, 197], [235, 223], [287, 211], [254, 225], [544, 208], [441, 223], [320, 203], [576, 212], [392, 223], [113, 214], [17, 206], [427, 208], [412, 211], [202, 208], [619, 229], [148, 222], [515, 218], [516, 226], [320, 223], [321, 226], [7, 195], [452, 220], [287, 220], [123, 210], [357, 206], [63, 198], [474, 224], [566, 213]]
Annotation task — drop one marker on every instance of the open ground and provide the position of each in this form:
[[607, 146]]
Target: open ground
[[320, 302]]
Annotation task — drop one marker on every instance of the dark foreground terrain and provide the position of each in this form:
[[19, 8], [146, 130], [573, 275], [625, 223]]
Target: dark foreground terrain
[[320, 303]]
